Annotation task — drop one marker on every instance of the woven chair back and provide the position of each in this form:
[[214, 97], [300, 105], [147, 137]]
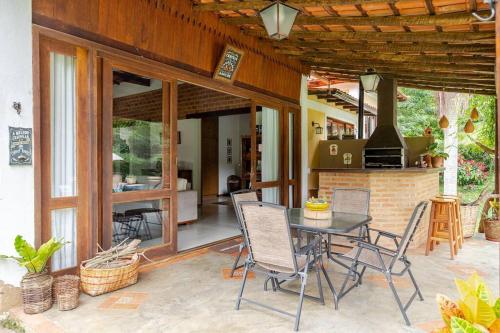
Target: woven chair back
[[351, 200], [242, 195], [267, 229]]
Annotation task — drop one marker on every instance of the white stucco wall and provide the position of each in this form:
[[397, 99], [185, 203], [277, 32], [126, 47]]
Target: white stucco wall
[[304, 154], [16, 85]]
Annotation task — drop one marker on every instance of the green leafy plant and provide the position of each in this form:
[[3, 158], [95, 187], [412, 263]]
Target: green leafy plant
[[475, 312], [30, 258], [494, 209], [437, 150]]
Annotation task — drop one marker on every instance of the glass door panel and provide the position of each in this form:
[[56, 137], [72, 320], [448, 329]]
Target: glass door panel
[[137, 132], [64, 226]]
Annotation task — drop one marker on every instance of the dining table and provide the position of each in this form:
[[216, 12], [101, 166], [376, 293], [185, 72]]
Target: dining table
[[338, 224]]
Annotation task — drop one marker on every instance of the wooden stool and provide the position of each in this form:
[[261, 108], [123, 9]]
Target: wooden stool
[[444, 225], [458, 214]]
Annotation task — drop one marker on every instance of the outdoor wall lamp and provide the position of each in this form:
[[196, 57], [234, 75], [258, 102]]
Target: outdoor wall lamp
[[370, 80], [317, 127], [278, 19]]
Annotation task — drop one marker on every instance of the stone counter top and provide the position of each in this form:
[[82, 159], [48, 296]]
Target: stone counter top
[[358, 170]]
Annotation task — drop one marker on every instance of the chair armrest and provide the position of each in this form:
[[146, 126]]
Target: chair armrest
[[385, 233], [376, 248]]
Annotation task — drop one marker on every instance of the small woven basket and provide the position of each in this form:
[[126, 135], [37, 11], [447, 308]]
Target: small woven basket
[[98, 281], [66, 291], [469, 219], [37, 292]]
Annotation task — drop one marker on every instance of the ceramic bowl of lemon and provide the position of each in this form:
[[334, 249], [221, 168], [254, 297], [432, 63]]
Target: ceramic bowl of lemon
[[317, 205]]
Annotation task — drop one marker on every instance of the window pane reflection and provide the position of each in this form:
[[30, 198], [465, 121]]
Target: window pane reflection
[[139, 220], [137, 132]]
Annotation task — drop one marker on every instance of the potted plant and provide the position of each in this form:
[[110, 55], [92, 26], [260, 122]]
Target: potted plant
[[36, 285], [437, 154], [491, 221], [476, 311]]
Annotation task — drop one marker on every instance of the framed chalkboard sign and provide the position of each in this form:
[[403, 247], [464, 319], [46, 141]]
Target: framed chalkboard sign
[[228, 64], [20, 146]]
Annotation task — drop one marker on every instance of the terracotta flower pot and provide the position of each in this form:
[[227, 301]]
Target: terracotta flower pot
[[428, 160], [492, 230], [437, 162]]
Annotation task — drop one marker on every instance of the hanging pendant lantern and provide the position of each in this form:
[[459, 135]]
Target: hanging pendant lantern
[[443, 122], [278, 19], [370, 80], [474, 114], [469, 127]]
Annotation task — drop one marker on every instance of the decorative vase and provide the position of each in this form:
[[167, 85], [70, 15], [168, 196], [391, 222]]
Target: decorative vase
[[131, 179], [37, 292], [492, 230], [428, 160], [437, 162]]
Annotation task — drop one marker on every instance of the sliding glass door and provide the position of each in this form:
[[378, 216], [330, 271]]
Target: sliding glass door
[[137, 177]]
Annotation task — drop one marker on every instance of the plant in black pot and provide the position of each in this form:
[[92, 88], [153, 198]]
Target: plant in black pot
[[438, 155], [36, 285]]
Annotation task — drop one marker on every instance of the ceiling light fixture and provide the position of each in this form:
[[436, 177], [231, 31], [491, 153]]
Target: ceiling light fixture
[[278, 19]]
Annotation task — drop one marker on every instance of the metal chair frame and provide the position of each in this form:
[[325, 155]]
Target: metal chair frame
[[278, 278], [397, 255], [242, 246]]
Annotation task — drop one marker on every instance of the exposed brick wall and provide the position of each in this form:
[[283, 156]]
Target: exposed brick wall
[[191, 100], [394, 195]]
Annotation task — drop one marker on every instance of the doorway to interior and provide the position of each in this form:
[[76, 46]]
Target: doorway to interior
[[213, 160]]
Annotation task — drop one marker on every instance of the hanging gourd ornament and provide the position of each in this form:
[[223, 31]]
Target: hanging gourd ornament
[[443, 122], [469, 127], [474, 114]]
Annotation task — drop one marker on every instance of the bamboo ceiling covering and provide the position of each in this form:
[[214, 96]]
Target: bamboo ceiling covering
[[427, 44]]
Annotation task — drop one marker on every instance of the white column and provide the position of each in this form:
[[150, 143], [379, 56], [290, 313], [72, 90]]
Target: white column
[[304, 154]]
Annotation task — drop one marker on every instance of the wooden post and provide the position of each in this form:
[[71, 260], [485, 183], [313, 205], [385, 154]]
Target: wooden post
[[361, 111], [497, 81]]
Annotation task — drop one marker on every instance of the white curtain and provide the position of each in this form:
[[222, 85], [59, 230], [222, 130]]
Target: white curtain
[[270, 153], [63, 154], [64, 225], [63, 125]]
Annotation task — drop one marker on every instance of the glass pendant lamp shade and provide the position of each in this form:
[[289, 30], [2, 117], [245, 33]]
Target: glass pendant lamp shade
[[278, 19], [370, 81]]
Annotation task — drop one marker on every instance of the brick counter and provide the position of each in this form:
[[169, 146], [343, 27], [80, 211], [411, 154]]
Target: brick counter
[[394, 194]]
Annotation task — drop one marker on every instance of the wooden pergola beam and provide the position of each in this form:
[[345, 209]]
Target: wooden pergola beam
[[417, 59], [429, 72], [411, 37], [448, 88], [394, 47], [398, 21], [389, 67], [259, 4]]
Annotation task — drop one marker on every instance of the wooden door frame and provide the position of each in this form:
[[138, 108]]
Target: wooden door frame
[[168, 194], [96, 53], [44, 202]]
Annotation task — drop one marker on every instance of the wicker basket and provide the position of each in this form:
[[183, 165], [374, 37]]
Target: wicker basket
[[37, 292], [98, 281], [469, 219], [66, 291]]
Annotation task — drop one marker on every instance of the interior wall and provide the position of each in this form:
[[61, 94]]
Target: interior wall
[[16, 182], [189, 150], [231, 127]]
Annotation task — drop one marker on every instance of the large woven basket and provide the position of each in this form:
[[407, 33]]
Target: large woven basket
[[469, 219], [37, 292], [98, 281]]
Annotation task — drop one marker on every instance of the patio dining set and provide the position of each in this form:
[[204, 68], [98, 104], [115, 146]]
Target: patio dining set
[[285, 245]]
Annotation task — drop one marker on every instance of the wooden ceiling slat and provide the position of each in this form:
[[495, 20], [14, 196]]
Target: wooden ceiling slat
[[399, 21], [483, 37]]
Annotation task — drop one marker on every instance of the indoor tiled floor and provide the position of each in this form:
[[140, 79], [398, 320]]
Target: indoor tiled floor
[[193, 293]]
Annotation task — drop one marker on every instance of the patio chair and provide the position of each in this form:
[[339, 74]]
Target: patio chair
[[236, 197], [383, 259], [271, 251], [353, 201]]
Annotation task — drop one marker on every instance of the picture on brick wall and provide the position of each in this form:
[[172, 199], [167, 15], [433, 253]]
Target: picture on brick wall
[[228, 64], [20, 146]]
